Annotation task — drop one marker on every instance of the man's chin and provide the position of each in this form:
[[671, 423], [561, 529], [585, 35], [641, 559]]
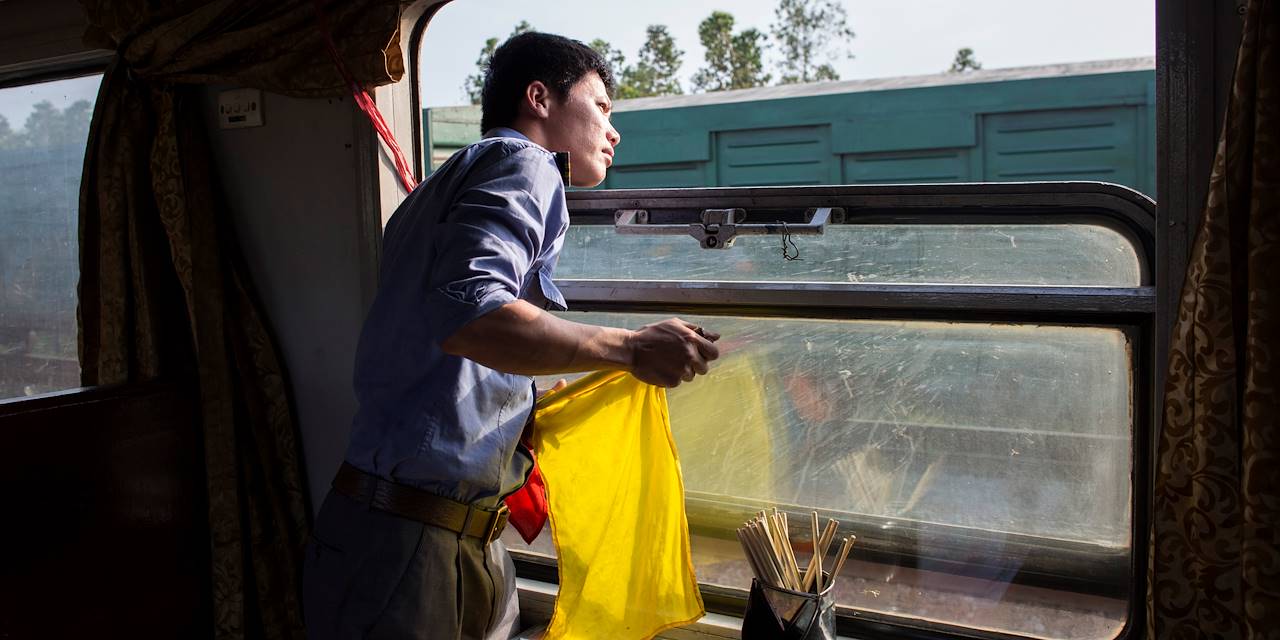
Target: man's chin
[[586, 182]]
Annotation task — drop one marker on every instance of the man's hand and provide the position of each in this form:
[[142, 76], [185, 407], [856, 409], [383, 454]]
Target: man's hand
[[560, 384], [672, 351]]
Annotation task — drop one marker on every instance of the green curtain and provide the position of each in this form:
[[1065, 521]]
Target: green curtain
[[163, 290], [1215, 565]]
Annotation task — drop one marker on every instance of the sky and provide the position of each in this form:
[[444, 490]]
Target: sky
[[16, 102], [892, 38]]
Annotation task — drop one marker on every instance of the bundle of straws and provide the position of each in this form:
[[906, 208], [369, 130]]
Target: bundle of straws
[[767, 543]]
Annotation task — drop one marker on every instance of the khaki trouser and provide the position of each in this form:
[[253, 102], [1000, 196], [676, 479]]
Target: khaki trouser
[[370, 574]]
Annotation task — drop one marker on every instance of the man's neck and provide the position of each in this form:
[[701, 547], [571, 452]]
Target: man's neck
[[531, 129]]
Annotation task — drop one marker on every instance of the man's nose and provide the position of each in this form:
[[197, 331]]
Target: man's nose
[[613, 136]]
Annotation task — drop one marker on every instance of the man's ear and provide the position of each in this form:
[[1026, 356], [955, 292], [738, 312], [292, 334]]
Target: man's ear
[[536, 100]]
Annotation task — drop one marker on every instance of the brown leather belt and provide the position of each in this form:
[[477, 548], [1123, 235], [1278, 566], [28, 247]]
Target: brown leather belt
[[420, 505]]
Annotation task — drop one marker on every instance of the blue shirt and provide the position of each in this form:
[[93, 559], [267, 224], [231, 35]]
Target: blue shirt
[[485, 229]]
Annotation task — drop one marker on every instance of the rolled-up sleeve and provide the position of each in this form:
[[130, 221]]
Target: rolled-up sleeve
[[490, 239]]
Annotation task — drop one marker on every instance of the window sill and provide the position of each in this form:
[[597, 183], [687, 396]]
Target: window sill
[[537, 599]]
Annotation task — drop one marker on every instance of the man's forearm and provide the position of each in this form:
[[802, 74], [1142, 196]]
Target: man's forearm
[[523, 339]]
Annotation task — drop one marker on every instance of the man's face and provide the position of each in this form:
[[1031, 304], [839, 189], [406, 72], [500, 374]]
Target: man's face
[[580, 125]]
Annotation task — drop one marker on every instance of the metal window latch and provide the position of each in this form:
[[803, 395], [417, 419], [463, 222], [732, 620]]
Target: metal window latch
[[720, 227]]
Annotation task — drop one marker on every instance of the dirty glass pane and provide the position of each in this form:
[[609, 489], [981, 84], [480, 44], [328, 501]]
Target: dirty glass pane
[[1009, 254], [43, 131], [966, 439]]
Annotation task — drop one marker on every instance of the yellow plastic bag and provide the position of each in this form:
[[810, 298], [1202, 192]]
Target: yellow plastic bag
[[616, 504]]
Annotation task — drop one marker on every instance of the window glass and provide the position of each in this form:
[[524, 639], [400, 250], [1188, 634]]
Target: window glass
[[43, 132], [1014, 254], [720, 95], [990, 455]]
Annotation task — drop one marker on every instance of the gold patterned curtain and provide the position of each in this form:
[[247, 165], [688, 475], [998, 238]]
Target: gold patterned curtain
[[1215, 563], [163, 290]]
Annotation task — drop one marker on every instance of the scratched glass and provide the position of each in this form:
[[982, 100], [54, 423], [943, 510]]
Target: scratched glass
[[980, 254], [43, 131], [962, 440]]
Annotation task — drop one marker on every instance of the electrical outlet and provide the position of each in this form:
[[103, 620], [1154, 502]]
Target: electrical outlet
[[240, 108]]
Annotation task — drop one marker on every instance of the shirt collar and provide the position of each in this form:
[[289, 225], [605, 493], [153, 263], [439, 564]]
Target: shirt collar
[[561, 158], [506, 132]]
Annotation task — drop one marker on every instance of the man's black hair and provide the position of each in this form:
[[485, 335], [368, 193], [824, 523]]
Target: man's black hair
[[557, 61]]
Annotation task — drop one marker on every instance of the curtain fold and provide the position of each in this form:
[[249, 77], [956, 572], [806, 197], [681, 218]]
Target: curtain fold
[[164, 291], [1215, 563]]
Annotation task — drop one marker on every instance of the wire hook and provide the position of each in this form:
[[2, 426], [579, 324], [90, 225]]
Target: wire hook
[[792, 252]]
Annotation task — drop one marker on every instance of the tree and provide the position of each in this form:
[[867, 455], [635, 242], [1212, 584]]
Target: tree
[[654, 73], [732, 61], [7, 138], [617, 61], [748, 60], [46, 126], [811, 34], [964, 61], [75, 122], [473, 86]]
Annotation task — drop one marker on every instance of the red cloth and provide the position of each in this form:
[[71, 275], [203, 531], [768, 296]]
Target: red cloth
[[528, 505]]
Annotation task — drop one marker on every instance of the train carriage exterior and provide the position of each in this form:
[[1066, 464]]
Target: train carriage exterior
[[1078, 121]]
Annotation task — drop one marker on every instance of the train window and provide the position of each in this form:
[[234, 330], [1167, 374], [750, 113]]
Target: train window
[[1072, 255], [952, 371], [43, 132], [980, 440]]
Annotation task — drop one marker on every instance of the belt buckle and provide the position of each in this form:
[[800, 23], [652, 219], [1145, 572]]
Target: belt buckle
[[497, 523]]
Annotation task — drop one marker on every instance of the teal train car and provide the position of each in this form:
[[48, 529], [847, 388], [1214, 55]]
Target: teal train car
[[1077, 121]]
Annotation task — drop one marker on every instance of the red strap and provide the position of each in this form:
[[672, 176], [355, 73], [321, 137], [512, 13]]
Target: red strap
[[366, 104]]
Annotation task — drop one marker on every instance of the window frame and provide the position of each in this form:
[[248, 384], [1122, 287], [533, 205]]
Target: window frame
[[79, 65], [1130, 309]]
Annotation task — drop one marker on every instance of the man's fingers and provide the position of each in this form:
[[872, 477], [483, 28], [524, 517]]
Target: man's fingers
[[701, 331], [671, 367], [706, 348], [560, 384]]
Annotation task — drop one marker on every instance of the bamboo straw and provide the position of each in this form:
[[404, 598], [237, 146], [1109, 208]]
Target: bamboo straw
[[844, 553], [766, 538], [766, 542], [769, 545], [817, 552], [815, 560], [761, 566], [754, 547], [772, 527], [829, 534], [751, 556], [765, 524], [792, 565]]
